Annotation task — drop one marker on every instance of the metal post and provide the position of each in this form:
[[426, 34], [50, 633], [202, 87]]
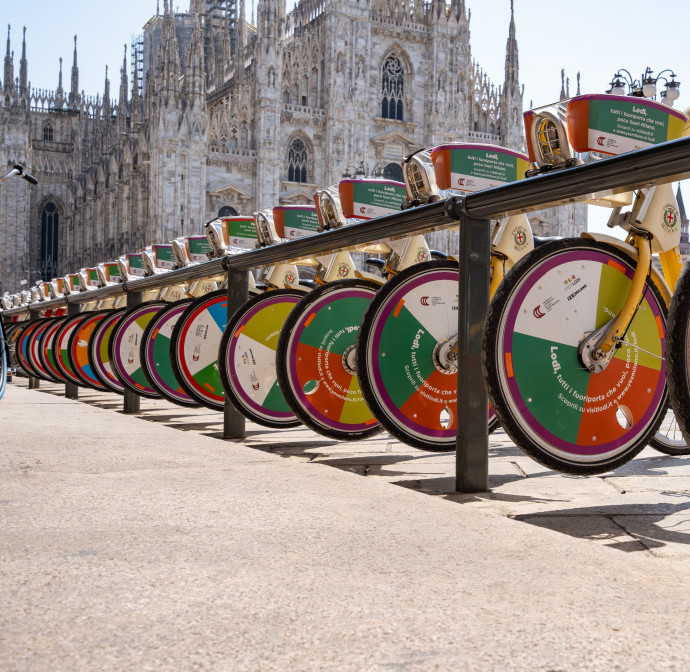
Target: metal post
[[472, 448], [71, 389], [132, 403], [238, 293]]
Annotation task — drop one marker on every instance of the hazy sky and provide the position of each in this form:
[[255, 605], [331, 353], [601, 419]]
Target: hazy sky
[[594, 37]]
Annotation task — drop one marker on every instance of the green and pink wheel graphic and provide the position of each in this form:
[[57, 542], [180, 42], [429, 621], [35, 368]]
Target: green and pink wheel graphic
[[99, 359], [194, 348], [78, 349], [47, 353], [155, 354], [549, 403], [247, 358], [62, 359], [316, 360], [405, 349], [34, 351], [124, 349]]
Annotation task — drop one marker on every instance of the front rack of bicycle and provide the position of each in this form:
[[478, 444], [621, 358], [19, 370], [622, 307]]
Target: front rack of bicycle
[[660, 164]]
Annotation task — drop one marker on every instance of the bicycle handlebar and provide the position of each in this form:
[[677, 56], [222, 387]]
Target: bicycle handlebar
[[19, 170]]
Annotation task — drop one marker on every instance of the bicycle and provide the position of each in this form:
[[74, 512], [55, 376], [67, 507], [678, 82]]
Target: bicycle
[[407, 343], [574, 340]]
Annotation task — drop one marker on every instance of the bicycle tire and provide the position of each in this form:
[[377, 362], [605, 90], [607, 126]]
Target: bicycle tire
[[194, 348], [78, 350], [124, 348], [410, 316], [155, 354], [46, 353], [11, 341], [62, 347], [36, 348], [314, 364], [99, 359], [24, 350], [247, 358], [678, 353], [669, 439], [553, 408]]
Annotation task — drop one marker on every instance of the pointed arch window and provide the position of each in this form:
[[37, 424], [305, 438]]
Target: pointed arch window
[[48, 132], [297, 161], [50, 220], [392, 89]]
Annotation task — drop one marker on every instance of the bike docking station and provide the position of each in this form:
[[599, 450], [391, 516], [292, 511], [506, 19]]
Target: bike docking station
[[472, 213]]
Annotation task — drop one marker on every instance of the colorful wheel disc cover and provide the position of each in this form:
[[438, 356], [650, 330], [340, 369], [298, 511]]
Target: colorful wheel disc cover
[[157, 354], [48, 353], [324, 388], [196, 348], [125, 348], [250, 361], [79, 350], [98, 352], [24, 349], [572, 411], [62, 348], [34, 349], [415, 319]]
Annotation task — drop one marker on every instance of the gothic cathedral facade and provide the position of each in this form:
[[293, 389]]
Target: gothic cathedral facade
[[218, 113]]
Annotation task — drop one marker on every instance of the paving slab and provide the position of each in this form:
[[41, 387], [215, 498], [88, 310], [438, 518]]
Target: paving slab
[[130, 545]]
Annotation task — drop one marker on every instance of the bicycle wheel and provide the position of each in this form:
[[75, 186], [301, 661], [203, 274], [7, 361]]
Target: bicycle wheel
[[46, 352], [99, 359], [669, 439], [24, 350], [124, 349], [247, 358], [194, 348], [316, 361], [155, 354], [33, 351], [553, 408], [678, 353], [78, 350], [12, 342], [400, 347], [62, 337]]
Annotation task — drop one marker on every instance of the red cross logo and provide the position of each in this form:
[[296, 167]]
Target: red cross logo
[[520, 237], [670, 217]]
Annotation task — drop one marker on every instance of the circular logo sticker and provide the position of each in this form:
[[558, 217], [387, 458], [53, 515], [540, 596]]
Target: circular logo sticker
[[343, 271], [520, 237], [422, 254], [669, 219], [289, 278]]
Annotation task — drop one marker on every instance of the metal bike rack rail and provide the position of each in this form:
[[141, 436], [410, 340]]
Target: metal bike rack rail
[[655, 165]]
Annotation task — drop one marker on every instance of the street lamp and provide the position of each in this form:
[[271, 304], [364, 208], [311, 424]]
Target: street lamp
[[645, 87]]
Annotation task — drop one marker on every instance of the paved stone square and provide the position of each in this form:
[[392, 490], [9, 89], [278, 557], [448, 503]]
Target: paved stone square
[[148, 543]]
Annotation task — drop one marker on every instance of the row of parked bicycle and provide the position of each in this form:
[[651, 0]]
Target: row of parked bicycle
[[577, 343]]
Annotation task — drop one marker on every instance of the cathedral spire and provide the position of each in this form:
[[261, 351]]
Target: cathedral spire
[[23, 77], [60, 93], [512, 68], [9, 66], [122, 102], [106, 96], [135, 105], [74, 87]]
